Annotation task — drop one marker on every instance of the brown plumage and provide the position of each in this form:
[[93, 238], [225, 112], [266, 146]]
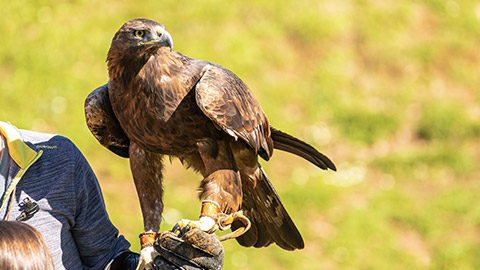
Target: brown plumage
[[160, 102]]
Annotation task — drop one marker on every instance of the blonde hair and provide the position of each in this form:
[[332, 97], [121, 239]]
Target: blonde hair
[[22, 248]]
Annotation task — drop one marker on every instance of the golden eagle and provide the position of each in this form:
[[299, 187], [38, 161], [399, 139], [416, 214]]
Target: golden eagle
[[159, 102]]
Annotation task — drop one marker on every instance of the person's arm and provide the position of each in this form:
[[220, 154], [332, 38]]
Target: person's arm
[[96, 238]]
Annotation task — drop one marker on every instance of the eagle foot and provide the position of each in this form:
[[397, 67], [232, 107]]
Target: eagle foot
[[206, 224], [208, 219], [212, 219], [148, 252]]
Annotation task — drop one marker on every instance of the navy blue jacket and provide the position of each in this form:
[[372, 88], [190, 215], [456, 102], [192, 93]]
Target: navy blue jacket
[[51, 171]]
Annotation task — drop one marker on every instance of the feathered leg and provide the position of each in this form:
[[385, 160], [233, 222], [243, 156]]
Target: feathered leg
[[146, 169], [222, 182], [221, 188]]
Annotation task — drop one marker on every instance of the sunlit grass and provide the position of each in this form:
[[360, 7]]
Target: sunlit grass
[[389, 90]]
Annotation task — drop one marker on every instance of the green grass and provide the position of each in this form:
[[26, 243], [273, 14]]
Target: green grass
[[389, 90]]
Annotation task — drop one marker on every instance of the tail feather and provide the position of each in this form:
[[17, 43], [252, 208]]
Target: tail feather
[[270, 221], [288, 143]]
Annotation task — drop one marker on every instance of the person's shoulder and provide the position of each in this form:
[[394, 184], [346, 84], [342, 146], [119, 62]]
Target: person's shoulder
[[47, 141]]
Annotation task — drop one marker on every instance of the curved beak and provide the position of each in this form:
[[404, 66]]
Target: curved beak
[[166, 39], [163, 39]]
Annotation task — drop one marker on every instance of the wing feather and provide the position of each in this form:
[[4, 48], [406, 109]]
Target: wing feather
[[272, 223], [227, 101]]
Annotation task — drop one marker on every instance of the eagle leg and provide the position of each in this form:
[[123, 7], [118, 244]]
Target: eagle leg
[[146, 170], [221, 189], [221, 194]]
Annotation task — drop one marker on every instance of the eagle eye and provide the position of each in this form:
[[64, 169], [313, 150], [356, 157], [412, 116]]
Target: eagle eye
[[139, 33]]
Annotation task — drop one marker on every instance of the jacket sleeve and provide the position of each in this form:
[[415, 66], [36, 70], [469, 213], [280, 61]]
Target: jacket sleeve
[[96, 238]]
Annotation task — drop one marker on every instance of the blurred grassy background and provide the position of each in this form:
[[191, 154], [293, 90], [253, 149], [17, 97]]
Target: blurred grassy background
[[388, 89]]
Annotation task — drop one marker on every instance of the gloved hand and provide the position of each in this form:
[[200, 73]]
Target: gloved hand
[[191, 250]]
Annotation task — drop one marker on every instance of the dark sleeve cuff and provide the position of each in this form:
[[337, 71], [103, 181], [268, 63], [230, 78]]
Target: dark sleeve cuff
[[127, 260]]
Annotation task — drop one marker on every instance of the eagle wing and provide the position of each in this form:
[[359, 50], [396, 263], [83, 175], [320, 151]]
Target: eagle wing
[[103, 124], [226, 100]]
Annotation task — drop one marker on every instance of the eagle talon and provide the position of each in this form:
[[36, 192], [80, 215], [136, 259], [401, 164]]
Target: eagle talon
[[175, 228], [183, 231], [212, 231]]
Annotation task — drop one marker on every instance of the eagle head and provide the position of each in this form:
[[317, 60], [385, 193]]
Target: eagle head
[[137, 40], [141, 35]]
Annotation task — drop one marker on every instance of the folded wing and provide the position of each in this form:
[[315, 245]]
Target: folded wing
[[227, 101], [103, 124]]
